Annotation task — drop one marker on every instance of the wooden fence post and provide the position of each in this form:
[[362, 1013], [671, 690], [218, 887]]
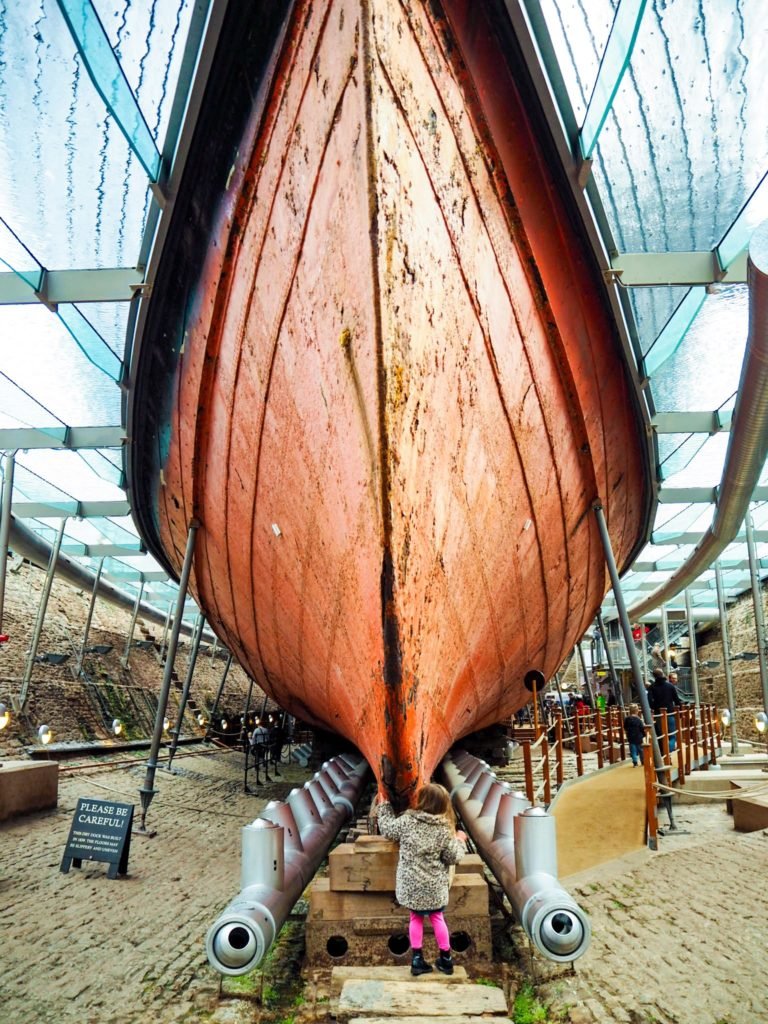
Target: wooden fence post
[[559, 749], [651, 817], [545, 770], [599, 737], [528, 771], [577, 744]]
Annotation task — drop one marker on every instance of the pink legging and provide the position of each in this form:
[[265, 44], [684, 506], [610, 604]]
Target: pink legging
[[439, 927]]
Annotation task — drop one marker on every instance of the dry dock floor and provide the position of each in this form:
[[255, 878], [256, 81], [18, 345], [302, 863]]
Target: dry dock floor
[[679, 937]]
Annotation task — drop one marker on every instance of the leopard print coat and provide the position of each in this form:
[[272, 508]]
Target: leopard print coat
[[428, 846]]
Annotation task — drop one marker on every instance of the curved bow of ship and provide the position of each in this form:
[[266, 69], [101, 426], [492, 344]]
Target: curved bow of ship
[[380, 371]]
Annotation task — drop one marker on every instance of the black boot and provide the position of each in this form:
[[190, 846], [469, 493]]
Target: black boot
[[419, 965], [444, 962]]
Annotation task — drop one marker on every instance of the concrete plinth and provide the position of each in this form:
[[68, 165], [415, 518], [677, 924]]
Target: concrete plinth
[[26, 787]]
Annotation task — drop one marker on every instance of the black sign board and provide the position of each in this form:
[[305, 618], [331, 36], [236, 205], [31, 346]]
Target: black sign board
[[101, 830]]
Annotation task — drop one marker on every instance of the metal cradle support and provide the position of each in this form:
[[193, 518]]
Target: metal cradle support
[[5, 525], [199, 624], [517, 842], [89, 617], [147, 790], [281, 851], [42, 607]]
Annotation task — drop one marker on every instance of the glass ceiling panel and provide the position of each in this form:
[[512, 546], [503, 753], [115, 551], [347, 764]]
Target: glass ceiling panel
[[76, 163], [687, 112], [704, 372], [652, 308], [579, 42], [39, 354], [706, 467], [66, 471]]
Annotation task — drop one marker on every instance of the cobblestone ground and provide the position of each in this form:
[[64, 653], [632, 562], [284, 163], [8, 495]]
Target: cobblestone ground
[[679, 936], [84, 949]]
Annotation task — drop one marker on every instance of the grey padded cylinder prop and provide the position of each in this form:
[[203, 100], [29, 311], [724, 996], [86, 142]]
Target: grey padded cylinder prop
[[518, 845], [275, 872]]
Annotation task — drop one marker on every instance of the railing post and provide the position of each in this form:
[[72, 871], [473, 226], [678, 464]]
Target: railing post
[[41, 609], [599, 737], [609, 733], [545, 770], [714, 745], [528, 771], [681, 773], [652, 817], [665, 741], [147, 790], [559, 747], [577, 743], [696, 716], [5, 525], [622, 738]]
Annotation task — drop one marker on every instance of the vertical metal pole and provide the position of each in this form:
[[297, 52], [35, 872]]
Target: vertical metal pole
[[665, 638], [246, 743], [165, 630], [562, 706], [586, 677], [726, 655], [617, 689], [41, 613], [147, 791], [89, 617], [196, 637], [626, 629], [5, 525], [694, 655], [219, 693], [757, 599], [126, 655], [214, 647]]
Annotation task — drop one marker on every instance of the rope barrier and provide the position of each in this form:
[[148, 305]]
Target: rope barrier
[[716, 794]]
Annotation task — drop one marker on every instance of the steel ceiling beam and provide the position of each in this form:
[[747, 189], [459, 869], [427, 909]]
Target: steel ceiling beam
[[23, 509], [692, 422], [740, 564], [21, 438], [694, 536], [680, 269], [701, 495], [116, 284]]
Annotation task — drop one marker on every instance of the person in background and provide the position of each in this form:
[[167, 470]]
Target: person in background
[[429, 845], [664, 698], [635, 732]]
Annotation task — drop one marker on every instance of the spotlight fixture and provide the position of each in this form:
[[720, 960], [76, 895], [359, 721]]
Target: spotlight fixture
[[201, 720], [761, 722], [166, 724], [725, 717], [224, 724], [117, 726], [5, 716], [44, 734]]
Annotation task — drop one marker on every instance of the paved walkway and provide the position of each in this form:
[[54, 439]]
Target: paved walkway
[[679, 937]]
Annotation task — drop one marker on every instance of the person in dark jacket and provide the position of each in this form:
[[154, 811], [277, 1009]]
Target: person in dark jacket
[[664, 698], [429, 845], [635, 732]]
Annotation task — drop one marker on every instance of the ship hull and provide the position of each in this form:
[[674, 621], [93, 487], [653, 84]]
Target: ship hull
[[399, 392]]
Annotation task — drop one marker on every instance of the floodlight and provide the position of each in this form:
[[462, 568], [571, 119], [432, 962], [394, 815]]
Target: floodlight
[[44, 734], [5, 716]]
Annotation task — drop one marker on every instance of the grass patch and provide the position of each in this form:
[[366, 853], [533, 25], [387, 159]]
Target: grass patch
[[528, 1008]]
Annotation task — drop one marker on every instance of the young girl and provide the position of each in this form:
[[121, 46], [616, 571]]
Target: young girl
[[429, 844]]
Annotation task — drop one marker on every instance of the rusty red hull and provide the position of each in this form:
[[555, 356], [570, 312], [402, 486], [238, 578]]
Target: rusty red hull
[[400, 391]]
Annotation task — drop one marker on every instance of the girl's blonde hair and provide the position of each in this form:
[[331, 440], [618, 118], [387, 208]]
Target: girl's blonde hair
[[435, 799], [634, 709]]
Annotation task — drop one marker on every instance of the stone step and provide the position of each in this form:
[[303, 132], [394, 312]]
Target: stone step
[[437, 1020], [340, 975], [426, 1000]]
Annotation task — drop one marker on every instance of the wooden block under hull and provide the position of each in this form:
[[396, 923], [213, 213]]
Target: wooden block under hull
[[26, 787], [384, 940], [369, 865], [468, 897]]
